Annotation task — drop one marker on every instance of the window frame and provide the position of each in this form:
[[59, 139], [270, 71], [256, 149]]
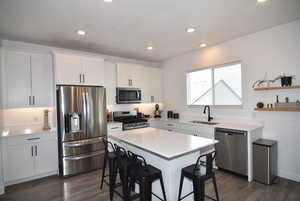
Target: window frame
[[213, 67]]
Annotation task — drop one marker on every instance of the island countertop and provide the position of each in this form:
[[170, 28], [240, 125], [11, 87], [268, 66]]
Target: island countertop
[[163, 143]]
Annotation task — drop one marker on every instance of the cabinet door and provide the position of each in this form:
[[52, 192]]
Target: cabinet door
[[124, 75], [17, 79], [110, 82], [46, 159], [93, 71], [18, 162], [41, 79], [68, 69]]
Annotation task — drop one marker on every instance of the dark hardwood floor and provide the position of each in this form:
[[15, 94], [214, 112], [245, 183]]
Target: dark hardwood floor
[[85, 187]]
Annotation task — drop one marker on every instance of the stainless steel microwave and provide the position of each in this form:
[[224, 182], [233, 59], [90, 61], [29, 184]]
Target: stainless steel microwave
[[129, 95]]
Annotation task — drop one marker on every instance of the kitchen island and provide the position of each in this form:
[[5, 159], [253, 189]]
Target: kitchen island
[[168, 151]]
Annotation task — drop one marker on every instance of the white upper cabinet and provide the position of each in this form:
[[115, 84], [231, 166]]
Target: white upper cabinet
[[42, 80], [17, 79], [149, 79], [68, 69], [129, 75], [79, 70], [110, 82], [93, 71], [27, 79]]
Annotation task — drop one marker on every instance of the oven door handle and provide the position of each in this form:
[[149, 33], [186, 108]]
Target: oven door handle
[[84, 156]]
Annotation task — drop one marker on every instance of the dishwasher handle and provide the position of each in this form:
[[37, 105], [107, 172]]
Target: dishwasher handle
[[230, 132]]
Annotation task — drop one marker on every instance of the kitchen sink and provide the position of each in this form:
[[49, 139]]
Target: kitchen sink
[[204, 122]]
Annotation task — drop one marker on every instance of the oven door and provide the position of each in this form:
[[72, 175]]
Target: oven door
[[129, 95]]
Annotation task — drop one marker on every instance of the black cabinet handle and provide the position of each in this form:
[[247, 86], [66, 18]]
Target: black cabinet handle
[[36, 150], [32, 151]]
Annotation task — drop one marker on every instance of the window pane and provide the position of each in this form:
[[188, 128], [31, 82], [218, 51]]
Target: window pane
[[228, 85], [199, 87]]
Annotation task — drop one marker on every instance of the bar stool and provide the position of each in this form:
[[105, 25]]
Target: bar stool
[[145, 174], [111, 157], [199, 173], [123, 165]]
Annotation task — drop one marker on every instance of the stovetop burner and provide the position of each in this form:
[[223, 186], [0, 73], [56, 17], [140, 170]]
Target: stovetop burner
[[130, 120]]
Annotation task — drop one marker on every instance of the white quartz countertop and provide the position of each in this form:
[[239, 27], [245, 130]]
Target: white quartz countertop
[[229, 125], [163, 143], [26, 130], [239, 126]]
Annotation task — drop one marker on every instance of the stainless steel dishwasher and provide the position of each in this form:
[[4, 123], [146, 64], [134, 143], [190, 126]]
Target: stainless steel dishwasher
[[231, 150]]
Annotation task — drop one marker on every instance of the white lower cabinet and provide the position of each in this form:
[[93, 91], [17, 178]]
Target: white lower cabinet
[[29, 157], [172, 126]]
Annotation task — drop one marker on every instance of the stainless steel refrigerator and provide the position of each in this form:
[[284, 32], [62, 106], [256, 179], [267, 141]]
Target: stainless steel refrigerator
[[81, 114]]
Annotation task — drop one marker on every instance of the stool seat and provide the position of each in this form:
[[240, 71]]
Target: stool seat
[[193, 171], [150, 172]]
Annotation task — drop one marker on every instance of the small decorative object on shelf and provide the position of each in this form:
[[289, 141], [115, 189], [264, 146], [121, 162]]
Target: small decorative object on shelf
[[277, 99], [260, 105], [286, 81], [286, 99]]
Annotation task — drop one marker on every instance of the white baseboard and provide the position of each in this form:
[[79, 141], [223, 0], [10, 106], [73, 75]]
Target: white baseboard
[[9, 183], [1, 189], [289, 175]]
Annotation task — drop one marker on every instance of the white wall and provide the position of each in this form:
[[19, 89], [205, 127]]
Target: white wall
[[274, 51]]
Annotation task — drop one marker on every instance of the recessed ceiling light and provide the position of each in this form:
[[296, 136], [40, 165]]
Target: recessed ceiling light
[[150, 47], [261, 1], [190, 30], [107, 1], [81, 32], [203, 45]]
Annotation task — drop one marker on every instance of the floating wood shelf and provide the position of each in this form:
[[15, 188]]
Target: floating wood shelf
[[277, 88], [279, 109]]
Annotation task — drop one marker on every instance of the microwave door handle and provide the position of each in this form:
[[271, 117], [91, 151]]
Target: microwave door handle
[[139, 95]]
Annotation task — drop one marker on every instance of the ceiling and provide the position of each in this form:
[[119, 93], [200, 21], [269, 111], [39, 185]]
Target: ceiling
[[125, 27]]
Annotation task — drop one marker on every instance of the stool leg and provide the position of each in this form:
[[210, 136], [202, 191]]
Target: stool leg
[[196, 187], [112, 178], [143, 190], [202, 190], [180, 186], [125, 185], [103, 172], [162, 187], [215, 186]]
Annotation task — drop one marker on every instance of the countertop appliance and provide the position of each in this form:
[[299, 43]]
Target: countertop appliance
[[128, 95], [81, 113], [231, 150], [130, 120]]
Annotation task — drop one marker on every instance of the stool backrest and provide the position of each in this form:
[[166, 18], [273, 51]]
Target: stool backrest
[[108, 143], [208, 163], [120, 151], [138, 160]]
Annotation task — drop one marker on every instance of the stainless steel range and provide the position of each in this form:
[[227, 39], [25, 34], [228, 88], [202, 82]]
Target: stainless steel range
[[81, 127], [130, 120]]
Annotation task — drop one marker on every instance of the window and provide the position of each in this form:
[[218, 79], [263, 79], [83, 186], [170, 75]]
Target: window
[[219, 85]]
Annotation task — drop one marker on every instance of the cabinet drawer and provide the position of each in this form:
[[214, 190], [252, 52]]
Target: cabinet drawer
[[30, 138], [83, 163], [114, 127]]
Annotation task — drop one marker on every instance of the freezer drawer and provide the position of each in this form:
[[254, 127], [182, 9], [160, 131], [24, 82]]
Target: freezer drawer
[[82, 146], [232, 151], [83, 163]]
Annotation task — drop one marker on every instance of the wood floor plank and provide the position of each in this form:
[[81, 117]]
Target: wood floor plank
[[86, 187]]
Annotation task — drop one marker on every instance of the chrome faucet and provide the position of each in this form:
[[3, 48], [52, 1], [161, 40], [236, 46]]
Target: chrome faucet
[[209, 118]]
